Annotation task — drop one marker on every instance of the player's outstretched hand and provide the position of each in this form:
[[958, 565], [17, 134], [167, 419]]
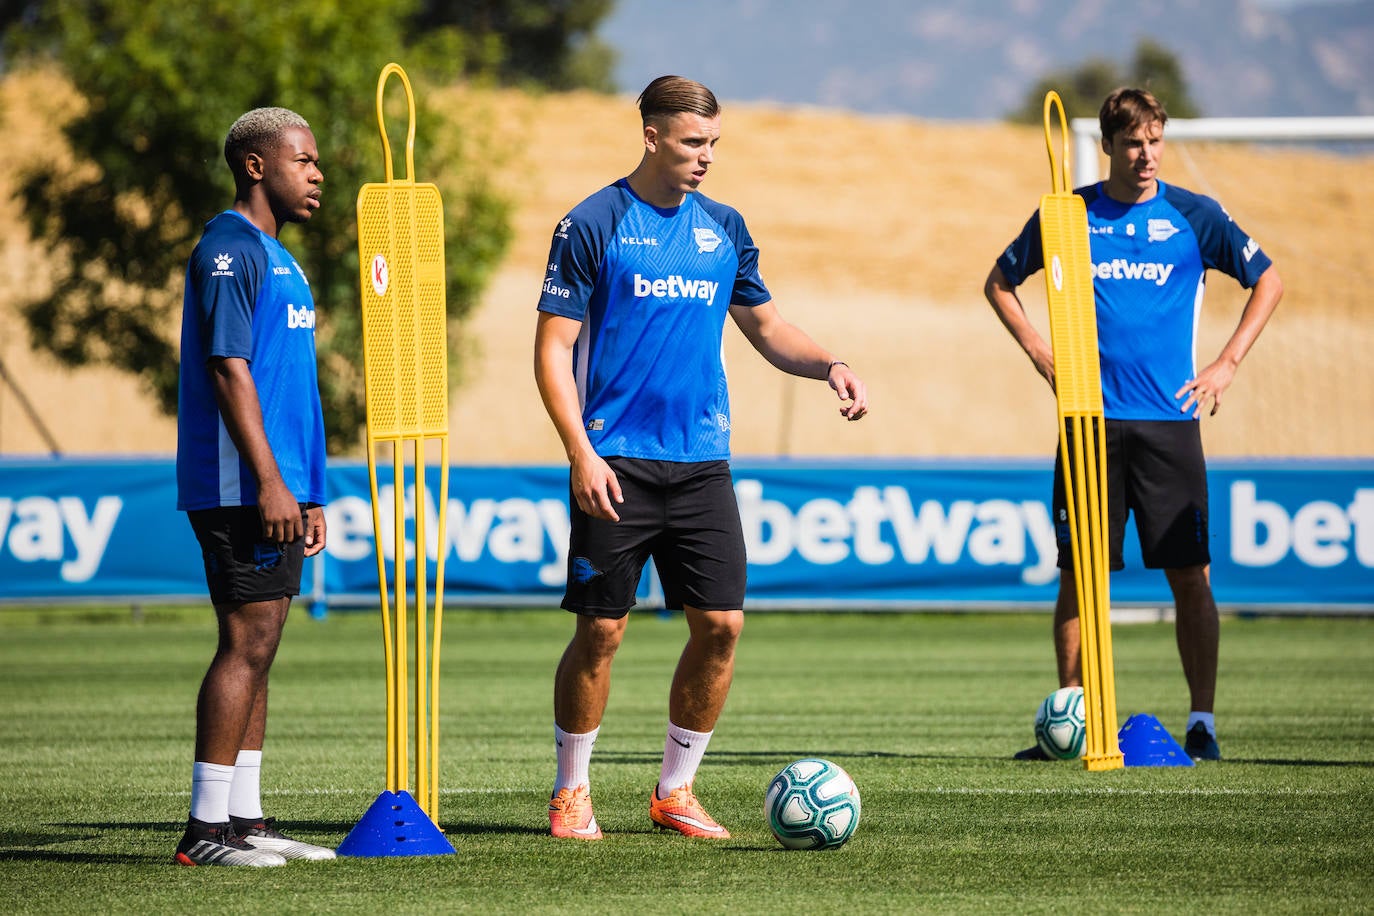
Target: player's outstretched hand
[[850, 388]]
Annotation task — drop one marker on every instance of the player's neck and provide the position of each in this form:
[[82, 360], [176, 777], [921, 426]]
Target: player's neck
[[653, 192], [259, 213], [1130, 192]]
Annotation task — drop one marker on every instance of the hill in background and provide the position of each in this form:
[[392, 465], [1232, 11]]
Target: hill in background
[[876, 235]]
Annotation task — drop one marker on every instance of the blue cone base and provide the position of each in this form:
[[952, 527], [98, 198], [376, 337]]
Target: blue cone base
[[1146, 743], [395, 825]]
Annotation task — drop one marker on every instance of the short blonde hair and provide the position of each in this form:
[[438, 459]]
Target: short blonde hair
[[257, 131]]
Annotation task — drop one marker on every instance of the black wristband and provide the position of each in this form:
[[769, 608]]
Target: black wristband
[[833, 364]]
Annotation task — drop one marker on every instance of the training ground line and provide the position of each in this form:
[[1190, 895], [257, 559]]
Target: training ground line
[[1110, 790], [934, 790]]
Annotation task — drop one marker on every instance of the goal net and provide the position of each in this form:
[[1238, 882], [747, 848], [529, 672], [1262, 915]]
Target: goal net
[[1298, 186]]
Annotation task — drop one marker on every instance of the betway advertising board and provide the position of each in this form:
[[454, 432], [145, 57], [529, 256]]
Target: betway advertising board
[[1286, 535]]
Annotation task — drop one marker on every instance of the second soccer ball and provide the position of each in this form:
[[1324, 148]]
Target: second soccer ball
[[1060, 728]]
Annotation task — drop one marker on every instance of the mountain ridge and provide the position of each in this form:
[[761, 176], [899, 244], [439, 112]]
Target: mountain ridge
[[977, 60]]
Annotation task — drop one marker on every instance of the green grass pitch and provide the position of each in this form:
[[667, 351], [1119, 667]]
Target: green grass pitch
[[96, 726]]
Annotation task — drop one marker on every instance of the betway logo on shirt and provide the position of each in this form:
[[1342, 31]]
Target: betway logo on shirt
[[1121, 269], [299, 317], [675, 287]]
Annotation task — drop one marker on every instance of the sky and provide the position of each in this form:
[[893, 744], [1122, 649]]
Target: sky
[[976, 60]]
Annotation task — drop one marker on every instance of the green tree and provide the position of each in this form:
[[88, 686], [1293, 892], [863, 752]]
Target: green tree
[[551, 43], [1158, 70], [162, 81], [1082, 88]]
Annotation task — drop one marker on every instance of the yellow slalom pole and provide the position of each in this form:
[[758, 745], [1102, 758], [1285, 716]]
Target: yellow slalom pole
[[405, 347], [1082, 435], [442, 544], [403, 293]]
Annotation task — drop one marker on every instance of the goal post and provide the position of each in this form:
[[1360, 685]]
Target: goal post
[[1087, 136]]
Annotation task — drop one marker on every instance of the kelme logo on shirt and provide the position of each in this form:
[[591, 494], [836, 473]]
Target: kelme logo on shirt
[[675, 287], [299, 317], [222, 262], [1121, 269]]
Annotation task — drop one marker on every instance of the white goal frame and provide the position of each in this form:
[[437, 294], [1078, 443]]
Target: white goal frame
[[1087, 137]]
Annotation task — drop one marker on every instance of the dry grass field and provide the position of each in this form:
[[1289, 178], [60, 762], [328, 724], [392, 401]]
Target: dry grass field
[[876, 234]]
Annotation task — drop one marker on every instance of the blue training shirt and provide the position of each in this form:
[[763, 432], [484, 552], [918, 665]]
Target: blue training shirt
[[247, 297], [652, 288], [1149, 270]]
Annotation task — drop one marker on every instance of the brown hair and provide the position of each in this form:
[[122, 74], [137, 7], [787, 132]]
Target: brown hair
[[670, 95], [1129, 109]]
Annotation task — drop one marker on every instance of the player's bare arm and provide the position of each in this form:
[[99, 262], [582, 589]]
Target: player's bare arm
[[792, 350], [1001, 295], [241, 410], [594, 484], [1213, 380]]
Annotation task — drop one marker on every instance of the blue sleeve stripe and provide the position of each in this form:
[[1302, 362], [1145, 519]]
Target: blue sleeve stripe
[[749, 289], [1224, 246]]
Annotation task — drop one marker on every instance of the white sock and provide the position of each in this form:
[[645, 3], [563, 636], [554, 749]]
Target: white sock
[[210, 784], [574, 757], [245, 793], [1205, 718], [682, 753]]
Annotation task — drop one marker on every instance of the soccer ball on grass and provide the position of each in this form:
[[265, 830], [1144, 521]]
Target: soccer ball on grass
[[812, 804], [1060, 729]]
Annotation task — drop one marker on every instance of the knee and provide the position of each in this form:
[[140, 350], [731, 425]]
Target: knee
[[597, 640], [1190, 586], [250, 650], [718, 631], [257, 655]]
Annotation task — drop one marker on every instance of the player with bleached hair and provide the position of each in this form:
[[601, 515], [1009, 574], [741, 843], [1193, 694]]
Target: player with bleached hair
[[250, 470]]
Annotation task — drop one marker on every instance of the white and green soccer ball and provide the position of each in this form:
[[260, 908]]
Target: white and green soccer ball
[[1060, 728], [812, 804]]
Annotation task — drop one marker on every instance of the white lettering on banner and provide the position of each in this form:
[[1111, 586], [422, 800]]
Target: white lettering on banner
[[34, 529], [510, 530], [823, 531], [348, 529], [1320, 533], [826, 531]]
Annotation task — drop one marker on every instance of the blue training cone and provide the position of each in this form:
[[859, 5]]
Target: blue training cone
[[395, 825], [1146, 743]]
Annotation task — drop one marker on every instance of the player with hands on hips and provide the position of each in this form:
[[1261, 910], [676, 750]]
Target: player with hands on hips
[[1151, 245]]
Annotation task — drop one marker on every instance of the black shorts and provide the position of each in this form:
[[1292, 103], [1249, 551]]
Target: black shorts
[[685, 516], [1156, 470], [241, 566]]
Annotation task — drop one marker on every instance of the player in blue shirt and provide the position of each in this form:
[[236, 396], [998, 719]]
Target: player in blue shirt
[[1151, 245], [641, 276], [250, 470]]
